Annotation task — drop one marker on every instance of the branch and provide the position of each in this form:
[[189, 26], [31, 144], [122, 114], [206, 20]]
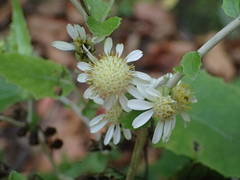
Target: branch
[[12, 121], [205, 48]]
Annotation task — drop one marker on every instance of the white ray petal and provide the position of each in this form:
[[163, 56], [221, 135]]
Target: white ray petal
[[89, 93], [127, 133], [82, 78], [158, 132], [124, 101], [98, 100], [142, 76], [109, 134], [167, 130], [173, 123], [98, 126], [83, 66], [138, 104], [109, 102], [108, 46], [117, 134], [64, 46], [142, 119], [96, 120], [71, 31], [185, 117], [119, 49], [134, 56], [81, 31], [135, 93]]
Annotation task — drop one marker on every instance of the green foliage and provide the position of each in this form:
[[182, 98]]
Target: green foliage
[[93, 163], [191, 63], [167, 165], [98, 9], [212, 137], [104, 28], [19, 40], [231, 7], [16, 176], [9, 94], [39, 77]]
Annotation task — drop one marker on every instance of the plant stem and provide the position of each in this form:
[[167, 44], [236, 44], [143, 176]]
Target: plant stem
[[80, 9], [205, 48], [11, 121], [30, 111], [137, 152]]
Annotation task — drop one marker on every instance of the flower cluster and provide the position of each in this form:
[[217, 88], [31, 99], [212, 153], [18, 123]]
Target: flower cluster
[[113, 83]]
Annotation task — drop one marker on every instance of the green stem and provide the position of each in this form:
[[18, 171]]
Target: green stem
[[29, 111], [80, 9], [206, 47], [137, 152], [12, 121]]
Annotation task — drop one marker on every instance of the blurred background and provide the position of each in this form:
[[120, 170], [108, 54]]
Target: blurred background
[[164, 30]]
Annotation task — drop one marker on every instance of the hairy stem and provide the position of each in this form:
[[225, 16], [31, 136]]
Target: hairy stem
[[205, 48], [137, 152], [80, 9]]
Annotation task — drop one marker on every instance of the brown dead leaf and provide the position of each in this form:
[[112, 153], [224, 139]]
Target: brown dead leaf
[[162, 21]]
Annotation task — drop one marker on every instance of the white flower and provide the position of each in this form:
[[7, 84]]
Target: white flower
[[110, 77], [110, 119], [79, 37], [161, 108]]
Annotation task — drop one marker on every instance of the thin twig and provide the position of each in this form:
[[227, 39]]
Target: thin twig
[[75, 108], [12, 121]]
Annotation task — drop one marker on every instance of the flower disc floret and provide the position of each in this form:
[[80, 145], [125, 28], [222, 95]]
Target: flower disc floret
[[183, 95], [110, 75], [114, 113], [164, 108]]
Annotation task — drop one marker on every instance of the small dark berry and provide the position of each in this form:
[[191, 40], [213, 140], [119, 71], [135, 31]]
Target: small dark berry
[[56, 144], [33, 138], [50, 131]]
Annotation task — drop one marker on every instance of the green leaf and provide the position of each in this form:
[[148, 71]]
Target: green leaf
[[167, 165], [19, 38], [37, 76], [9, 94], [213, 136], [16, 176], [105, 28], [98, 9], [231, 7], [191, 63]]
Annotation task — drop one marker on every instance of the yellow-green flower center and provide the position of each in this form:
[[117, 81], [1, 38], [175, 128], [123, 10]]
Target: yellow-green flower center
[[110, 76], [164, 108], [79, 51], [114, 113], [182, 95]]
